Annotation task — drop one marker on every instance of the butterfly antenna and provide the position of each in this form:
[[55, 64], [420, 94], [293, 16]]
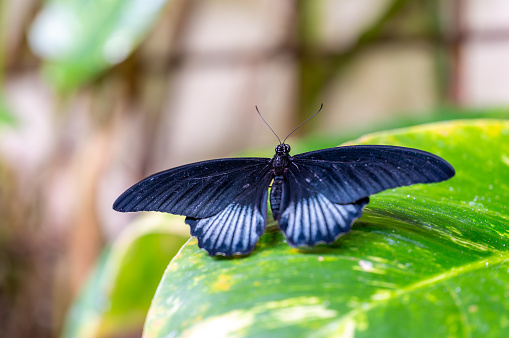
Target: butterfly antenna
[[267, 124], [321, 106]]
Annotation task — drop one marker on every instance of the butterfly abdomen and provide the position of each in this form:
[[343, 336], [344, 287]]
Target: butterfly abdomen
[[275, 196]]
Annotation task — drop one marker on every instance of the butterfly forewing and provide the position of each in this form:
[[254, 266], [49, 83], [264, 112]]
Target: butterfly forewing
[[237, 228], [196, 190], [347, 174]]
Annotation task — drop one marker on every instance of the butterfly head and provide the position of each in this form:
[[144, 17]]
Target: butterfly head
[[282, 149]]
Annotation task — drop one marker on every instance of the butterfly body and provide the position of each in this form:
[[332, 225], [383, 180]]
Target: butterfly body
[[280, 163], [276, 191], [315, 197]]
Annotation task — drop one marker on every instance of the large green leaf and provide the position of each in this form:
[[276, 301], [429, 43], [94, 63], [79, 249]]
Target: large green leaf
[[116, 299], [423, 261], [79, 39]]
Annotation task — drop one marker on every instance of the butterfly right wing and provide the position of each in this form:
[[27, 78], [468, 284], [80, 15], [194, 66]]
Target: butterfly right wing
[[324, 191], [347, 174], [237, 228], [196, 190]]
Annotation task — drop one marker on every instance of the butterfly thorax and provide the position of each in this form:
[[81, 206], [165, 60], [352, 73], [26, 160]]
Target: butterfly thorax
[[280, 163], [281, 160]]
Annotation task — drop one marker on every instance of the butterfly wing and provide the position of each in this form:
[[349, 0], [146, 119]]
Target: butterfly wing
[[235, 229], [347, 174], [308, 217], [325, 191], [197, 190]]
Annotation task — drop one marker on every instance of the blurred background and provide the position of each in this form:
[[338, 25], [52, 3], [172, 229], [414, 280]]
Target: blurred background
[[97, 94]]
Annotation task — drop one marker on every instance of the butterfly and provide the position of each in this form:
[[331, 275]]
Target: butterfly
[[315, 197]]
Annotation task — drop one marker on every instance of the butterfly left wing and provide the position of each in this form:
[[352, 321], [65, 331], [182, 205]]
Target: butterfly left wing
[[237, 228], [198, 190], [309, 218]]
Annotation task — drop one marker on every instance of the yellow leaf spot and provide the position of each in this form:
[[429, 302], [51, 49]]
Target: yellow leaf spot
[[222, 283], [444, 131]]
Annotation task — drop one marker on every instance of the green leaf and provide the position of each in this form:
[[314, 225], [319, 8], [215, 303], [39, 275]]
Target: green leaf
[[116, 299], [79, 39], [424, 261]]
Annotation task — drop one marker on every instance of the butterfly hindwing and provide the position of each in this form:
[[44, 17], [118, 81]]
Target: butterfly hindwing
[[347, 174], [308, 217], [237, 228], [196, 190]]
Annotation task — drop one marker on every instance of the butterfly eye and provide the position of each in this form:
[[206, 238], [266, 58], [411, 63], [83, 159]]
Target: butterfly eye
[[287, 148]]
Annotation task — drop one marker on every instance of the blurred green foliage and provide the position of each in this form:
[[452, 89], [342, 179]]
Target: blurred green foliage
[[116, 299], [79, 39], [6, 116], [317, 140]]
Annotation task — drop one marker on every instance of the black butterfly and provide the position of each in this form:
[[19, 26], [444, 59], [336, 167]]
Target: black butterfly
[[315, 196]]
